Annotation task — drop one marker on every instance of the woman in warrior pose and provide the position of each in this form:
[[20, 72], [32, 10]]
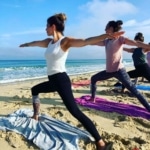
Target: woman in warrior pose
[[58, 80], [114, 65]]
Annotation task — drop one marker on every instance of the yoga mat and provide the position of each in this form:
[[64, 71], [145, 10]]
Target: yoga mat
[[118, 85], [81, 83], [111, 106], [47, 133], [143, 87]]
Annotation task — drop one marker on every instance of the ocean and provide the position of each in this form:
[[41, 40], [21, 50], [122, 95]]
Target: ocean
[[20, 70]]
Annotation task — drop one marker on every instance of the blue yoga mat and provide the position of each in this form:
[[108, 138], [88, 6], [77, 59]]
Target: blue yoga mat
[[118, 86], [143, 87]]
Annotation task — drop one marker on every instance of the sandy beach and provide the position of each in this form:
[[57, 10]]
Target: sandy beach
[[126, 132]]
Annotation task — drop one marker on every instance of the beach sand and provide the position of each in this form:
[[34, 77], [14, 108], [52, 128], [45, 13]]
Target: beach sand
[[125, 132]]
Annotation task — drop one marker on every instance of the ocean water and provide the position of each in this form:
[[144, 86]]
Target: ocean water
[[20, 70]]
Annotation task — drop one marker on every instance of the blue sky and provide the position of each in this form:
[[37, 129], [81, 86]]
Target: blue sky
[[25, 20]]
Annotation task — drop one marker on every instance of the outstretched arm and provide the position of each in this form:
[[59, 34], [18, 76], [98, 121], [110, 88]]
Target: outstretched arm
[[71, 42], [146, 50], [129, 50], [42, 43], [145, 46], [137, 43]]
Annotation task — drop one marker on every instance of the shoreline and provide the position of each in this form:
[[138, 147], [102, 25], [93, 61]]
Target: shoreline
[[45, 77]]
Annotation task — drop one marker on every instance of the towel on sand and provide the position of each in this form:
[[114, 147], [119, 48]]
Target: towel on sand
[[47, 133], [111, 106]]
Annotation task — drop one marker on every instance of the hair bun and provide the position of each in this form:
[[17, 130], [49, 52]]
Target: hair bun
[[62, 16], [119, 22], [139, 34]]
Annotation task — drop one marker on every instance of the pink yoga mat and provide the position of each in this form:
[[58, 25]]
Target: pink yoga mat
[[81, 83]]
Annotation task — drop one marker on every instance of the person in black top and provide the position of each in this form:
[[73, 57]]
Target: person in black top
[[142, 68]]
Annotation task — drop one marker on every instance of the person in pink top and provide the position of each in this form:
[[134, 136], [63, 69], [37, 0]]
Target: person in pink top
[[114, 65]]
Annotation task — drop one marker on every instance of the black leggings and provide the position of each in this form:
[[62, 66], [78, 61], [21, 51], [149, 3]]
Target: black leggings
[[60, 82], [123, 77], [140, 71]]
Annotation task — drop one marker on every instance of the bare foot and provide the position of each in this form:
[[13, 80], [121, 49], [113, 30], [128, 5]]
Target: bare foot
[[36, 117], [102, 146], [123, 90], [92, 99]]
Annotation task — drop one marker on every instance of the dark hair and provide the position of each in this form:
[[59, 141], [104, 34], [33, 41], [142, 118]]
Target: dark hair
[[116, 25], [58, 20], [139, 36]]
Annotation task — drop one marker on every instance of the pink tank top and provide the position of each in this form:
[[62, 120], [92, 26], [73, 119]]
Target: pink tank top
[[114, 50]]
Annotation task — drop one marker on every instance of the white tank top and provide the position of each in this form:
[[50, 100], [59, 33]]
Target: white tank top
[[55, 58]]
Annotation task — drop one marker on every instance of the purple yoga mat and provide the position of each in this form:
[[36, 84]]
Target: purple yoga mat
[[111, 106]]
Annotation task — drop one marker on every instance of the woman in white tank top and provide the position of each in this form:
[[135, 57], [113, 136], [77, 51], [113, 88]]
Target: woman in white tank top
[[56, 55]]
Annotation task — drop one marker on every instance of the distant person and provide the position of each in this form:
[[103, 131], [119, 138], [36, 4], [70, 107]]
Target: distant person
[[142, 68], [56, 55], [114, 65], [148, 57], [148, 61]]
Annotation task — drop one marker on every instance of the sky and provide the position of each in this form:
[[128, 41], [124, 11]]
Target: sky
[[24, 21]]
